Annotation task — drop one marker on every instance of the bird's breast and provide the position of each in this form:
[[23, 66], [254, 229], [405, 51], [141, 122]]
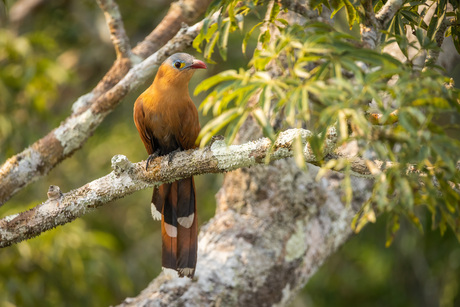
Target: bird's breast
[[164, 112]]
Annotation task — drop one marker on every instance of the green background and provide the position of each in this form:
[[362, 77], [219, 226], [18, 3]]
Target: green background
[[60, 52]]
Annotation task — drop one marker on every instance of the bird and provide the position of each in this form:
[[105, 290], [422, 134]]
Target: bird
[[167, 121]]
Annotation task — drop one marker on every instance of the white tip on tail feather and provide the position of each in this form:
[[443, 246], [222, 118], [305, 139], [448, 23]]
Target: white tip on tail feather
[[170, 273], [155, 213], [188, 272], [171, 230], [186, 221]]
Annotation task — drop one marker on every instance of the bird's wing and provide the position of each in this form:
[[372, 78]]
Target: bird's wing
[[139, 120], [189, 127]]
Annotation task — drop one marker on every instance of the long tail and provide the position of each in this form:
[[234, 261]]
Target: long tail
[[177, 204]]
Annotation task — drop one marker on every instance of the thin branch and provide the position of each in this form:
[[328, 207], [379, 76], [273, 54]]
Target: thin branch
[[369, 26], [128, 178], [89, 111], [117, 30]]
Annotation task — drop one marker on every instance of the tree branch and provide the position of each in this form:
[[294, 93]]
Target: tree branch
[[369, 26], [88, 112], [373, 23], [128, 178], [182, 11], [388, 11], [117, 31]]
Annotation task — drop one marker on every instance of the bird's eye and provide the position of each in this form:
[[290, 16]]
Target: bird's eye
[[179, 64]]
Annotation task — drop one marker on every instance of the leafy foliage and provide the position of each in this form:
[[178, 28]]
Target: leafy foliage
[[315, 76], [30, 77]]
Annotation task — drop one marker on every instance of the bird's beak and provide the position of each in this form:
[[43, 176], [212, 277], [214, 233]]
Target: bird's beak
[[197, 64]]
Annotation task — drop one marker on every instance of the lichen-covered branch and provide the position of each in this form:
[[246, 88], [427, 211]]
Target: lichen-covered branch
[[117, 31], [128, 178], [89, 111]]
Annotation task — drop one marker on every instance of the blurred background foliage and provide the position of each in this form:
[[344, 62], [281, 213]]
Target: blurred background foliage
[[58, 52]]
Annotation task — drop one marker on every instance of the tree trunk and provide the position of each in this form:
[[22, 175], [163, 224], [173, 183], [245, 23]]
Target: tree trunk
[[274, 226]]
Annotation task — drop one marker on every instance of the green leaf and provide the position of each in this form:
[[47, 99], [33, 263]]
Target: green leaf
[[248, 35], [214, 80], [209, 49], [392, 228], [236, 127], [274, 12], [413, 18], [263, 121], [456, 36], [337, 8], [216, 124], [223, 39], [299, 157], [351, 13]]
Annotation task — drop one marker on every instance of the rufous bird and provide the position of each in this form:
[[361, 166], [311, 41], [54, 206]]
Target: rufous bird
[[167, 121]]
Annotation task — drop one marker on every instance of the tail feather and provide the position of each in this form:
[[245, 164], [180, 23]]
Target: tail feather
[[169, 249], [178, 225]]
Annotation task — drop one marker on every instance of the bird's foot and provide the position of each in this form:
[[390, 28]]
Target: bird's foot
[[152, 157], [172, 154]]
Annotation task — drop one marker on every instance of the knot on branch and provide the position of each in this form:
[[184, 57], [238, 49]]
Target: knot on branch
[[217, 142], [54, 194], [121, 164], [331, 140], [287, 138]]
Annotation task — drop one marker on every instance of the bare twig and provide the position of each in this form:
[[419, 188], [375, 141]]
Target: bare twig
[[117, 31], [128, 178]]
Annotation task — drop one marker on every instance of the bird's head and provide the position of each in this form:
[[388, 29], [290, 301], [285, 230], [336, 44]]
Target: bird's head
[[178, 69]]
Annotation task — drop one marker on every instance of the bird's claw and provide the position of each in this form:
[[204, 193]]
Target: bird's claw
[[172, 154]]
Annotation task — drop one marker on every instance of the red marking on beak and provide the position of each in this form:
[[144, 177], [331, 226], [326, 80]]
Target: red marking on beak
[[197, 64]]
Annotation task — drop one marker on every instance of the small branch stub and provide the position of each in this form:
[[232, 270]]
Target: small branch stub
[[55, 194], [121, 164]]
